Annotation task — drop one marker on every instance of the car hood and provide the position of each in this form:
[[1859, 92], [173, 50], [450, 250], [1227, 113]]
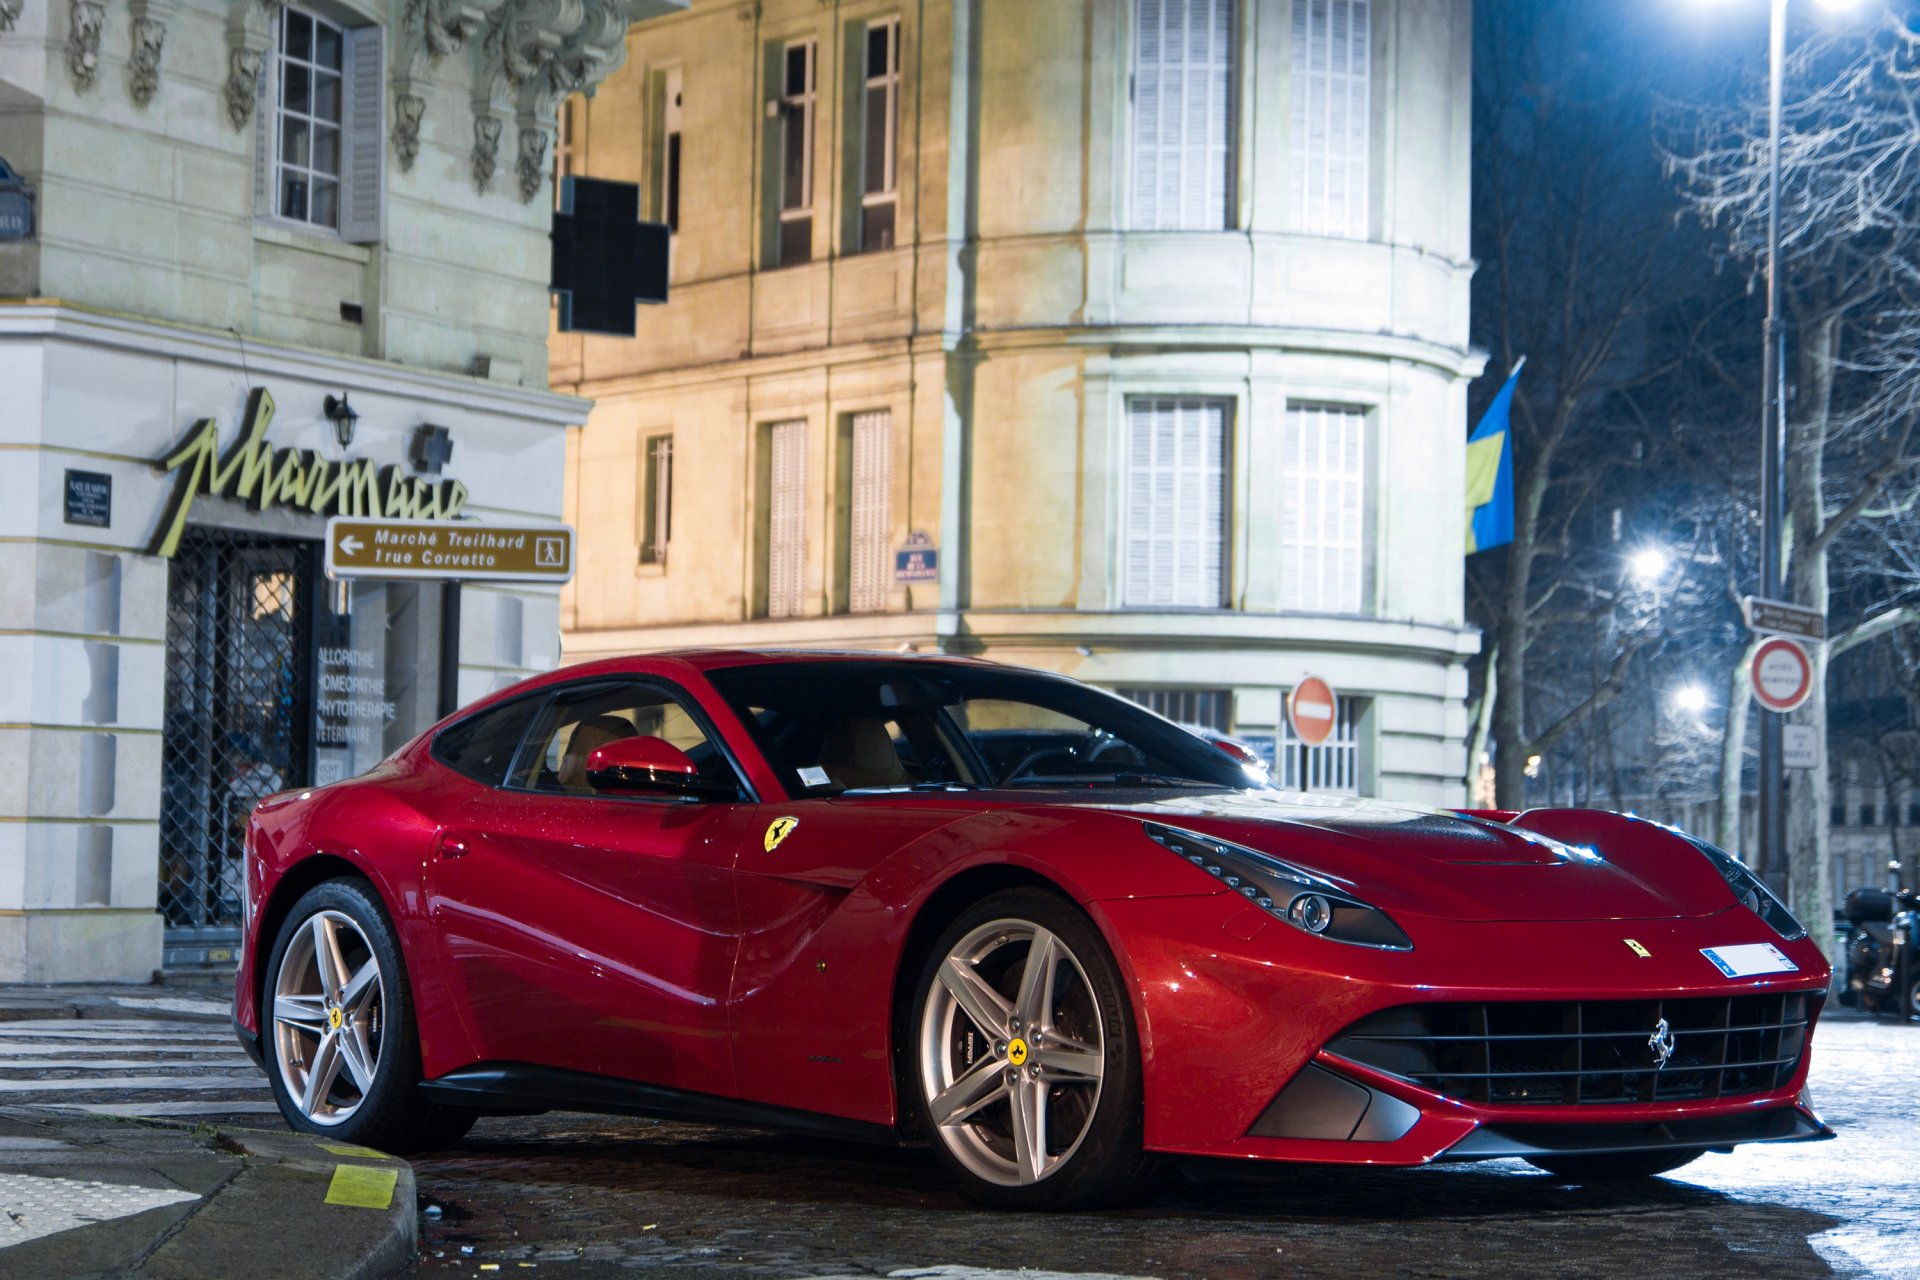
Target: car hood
[[1592, 866]]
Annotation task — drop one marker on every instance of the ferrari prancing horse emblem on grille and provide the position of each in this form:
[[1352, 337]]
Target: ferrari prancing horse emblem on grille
[[1661, 1042]]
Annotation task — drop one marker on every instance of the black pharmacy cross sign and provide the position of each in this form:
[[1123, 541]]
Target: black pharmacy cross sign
[[604, 258]]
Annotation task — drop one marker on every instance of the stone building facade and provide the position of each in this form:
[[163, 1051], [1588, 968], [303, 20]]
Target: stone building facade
[[312, 238], [1125, 338]]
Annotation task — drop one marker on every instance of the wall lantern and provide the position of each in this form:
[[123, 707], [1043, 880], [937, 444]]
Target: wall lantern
[[342, 416]]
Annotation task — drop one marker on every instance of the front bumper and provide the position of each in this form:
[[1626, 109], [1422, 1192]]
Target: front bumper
[[1235, 1009]]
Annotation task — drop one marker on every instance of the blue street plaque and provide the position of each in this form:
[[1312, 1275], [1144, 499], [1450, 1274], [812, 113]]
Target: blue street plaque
[[90, 498], [918, 561], [16, 205]]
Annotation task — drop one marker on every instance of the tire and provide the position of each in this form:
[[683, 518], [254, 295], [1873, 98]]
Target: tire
[[988, 1054], [341, 1047], [1616, 1166]]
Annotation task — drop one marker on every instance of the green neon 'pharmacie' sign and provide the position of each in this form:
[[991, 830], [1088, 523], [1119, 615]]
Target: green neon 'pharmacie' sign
[[252, 471]]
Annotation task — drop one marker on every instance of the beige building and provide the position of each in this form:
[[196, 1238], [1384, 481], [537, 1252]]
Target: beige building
[[310, 240], [1125, 338]]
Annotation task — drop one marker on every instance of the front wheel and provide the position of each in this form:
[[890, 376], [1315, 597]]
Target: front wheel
[[1025, 1058], [342, 1051], [1615, 1166]]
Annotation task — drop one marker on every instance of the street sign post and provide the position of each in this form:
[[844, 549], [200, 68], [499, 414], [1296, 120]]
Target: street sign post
[[1782, 674], [461, 551], [1312, 708], [1781, 618]]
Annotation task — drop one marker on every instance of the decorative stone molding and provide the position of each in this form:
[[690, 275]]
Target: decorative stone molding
[[408, 109], [486, 148], [149, 39], [249, 35], [10, 11], [86, 19], [531, 164]]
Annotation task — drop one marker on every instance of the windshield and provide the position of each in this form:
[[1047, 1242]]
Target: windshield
[[832, 727]]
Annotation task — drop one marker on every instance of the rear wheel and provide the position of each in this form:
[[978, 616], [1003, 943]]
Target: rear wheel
[[342, 1050], [1615, 1166], [1025, 1058]]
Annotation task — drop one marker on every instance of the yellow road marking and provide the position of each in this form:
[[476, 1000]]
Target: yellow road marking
[[361, 1186]]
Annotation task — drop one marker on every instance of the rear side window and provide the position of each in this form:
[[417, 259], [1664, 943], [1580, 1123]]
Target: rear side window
[[481, 747]]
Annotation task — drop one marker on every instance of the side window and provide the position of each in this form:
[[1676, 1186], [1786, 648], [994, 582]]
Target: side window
[[577, 724], [481, 747]]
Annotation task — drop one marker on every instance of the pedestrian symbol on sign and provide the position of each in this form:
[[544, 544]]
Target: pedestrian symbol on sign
[[550, 552]]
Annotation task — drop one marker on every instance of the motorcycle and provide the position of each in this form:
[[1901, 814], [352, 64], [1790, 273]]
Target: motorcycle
[[1883, 951]]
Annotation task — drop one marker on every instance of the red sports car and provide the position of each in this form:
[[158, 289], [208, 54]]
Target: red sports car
[[1043, 929]]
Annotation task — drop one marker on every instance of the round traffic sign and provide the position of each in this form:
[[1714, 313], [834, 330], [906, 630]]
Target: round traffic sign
[[1311, 708], [1782, 674]]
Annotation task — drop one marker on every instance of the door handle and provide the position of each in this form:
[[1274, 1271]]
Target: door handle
[[449, 845]]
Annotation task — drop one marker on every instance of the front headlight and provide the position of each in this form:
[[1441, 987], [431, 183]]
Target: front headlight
[[1752, 891], [1310, 903]]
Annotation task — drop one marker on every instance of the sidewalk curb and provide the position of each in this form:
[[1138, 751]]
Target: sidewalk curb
[[270, 1204], [274, 1217]]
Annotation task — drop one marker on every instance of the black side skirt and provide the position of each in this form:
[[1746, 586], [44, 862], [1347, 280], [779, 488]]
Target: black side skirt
[[519, 1086]]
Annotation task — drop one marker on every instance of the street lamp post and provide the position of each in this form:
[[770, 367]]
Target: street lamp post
[[1773, 457]]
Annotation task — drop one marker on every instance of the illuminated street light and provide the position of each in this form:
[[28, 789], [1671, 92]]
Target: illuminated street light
[[1690, 698], [1648, 565]]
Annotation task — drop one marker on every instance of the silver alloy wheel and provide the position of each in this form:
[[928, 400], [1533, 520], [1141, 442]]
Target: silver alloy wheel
[[327, 1010], [1012, 1052]]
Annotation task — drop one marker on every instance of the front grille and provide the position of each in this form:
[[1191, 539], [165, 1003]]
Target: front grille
[[1587, 1051]]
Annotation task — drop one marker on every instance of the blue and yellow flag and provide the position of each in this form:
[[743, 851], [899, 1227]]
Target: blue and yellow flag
[[1490, 472]]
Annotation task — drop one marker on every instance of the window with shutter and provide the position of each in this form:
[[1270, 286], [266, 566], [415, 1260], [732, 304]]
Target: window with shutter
[[786, 519], [1328, 151], [656, 499], [793, 113], [870, 515], [1174, 526], [1323, 509], [880, 119], [320, 130], [362, 194], [1183, 88]]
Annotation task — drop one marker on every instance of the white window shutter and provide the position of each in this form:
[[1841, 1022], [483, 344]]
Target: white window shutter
[[266, 106], [1329, 150], [363, 165], [1183, 81], [1173, 539], [870, 515], [787, 520], [1323, 509]]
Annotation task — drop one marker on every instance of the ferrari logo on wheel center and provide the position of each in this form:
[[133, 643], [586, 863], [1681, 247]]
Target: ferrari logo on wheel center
[[1017, 1052], [335, 1017]]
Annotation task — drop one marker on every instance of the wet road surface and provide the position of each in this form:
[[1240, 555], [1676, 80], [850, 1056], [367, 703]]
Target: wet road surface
[[585, 1196]]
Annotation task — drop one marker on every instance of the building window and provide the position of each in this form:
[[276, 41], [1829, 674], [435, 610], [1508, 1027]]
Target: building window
[[880, 165], [656, 498], [1837, 815], [1328, 153], [785, 552], [1322, 509], [869, 534], [794, 112], [669, 184], [1183, 81], [1332, 767], [1173, 543], [563, 148], [1866, 816], [321, 141], [1207, 708], [1913, 814]]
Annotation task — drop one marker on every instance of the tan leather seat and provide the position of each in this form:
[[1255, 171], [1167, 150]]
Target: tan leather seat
[[858, 752], [588, 737]]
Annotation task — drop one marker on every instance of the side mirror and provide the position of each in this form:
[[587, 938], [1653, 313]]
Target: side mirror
[[645, 766]]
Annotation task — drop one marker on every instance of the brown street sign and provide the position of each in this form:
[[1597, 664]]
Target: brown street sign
[[1779, 618], [462, 550]]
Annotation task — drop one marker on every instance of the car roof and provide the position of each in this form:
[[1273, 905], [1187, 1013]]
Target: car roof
[[716, 659]]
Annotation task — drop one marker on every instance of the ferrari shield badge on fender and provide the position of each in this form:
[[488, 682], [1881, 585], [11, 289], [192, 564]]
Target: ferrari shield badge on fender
[[1638, 950], [780, 830]]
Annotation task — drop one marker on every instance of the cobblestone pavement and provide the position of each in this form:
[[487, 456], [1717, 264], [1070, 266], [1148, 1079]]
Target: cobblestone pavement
[[585, 1196]]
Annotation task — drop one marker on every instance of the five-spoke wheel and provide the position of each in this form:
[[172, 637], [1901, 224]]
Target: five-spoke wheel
[[342, 1051], [1024, 1055]]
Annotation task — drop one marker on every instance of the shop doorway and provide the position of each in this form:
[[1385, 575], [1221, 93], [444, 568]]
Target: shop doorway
[[241, 613]]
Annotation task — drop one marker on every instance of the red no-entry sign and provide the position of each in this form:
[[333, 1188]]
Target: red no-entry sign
[[1311, 707], [1782, 674]]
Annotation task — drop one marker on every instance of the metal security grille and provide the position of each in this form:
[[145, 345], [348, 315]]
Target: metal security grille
[[238, 719], [1331, 767], [1208, 708]]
